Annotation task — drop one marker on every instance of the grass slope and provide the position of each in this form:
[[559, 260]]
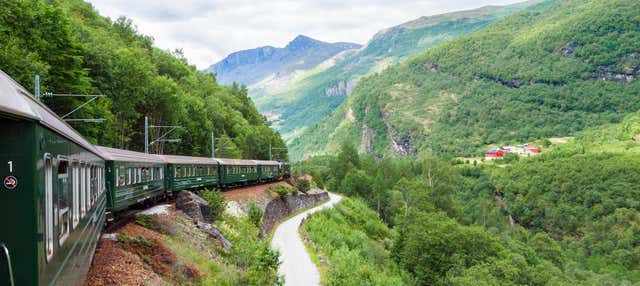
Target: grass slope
[[552, 70]]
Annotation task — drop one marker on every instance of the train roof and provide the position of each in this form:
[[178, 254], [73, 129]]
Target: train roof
[[119, 155], [239, 162], [15, 100], [267, 163], [175, 159]]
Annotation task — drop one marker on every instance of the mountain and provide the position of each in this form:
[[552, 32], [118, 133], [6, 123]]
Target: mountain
[[554, 69], [304, 97], [250, 66]]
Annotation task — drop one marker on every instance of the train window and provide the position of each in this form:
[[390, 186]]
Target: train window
[[87, 189], [161, 172], [63, 201], [121, 176], [92, 184], [128, 176], [75, 181], [94, 189], [83, 192], [145, 175], [152, 176], [48, 202], [102, 181]]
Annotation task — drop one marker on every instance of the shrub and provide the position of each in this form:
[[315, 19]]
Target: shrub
[[283, 191], [319, 182], [303, 185], [216, 202], [155, 223], [255, 214]]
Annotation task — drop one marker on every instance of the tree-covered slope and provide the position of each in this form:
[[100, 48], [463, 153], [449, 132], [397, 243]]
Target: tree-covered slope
[[75, 50], [308, 96], [551, 70]]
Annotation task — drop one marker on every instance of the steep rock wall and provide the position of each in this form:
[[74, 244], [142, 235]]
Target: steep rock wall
[[278, 209]]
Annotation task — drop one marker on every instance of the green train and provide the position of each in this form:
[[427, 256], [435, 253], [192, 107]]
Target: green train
[[59, 190]]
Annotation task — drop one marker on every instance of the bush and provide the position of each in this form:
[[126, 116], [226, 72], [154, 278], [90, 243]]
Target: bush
[[255, 214], [318, 181], [216, 202], [303, 185], [283, 191], [156, 223]]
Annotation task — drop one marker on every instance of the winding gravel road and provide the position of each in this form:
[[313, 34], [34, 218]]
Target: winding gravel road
[[297, 267]]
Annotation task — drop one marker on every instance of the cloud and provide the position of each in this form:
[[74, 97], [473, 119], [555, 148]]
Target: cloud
[[208, 30]]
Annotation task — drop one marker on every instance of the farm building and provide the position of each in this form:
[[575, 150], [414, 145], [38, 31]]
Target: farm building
[[495, 153]]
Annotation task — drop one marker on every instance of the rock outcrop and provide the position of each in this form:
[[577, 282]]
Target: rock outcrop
[[215, 233], [198, 209], [194, 206], [279, 209]]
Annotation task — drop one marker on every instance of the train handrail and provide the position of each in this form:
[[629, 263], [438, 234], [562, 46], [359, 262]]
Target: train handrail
[[7, 256]]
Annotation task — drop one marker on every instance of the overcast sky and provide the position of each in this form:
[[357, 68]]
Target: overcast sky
[[208, 30]]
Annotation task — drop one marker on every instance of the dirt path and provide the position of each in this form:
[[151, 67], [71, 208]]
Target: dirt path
[[297, 267]]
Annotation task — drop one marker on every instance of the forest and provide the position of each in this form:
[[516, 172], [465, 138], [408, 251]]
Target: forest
[[432, 221], [552, 70], [74, 50]]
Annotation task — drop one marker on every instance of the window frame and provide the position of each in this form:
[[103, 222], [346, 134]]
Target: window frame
[[75, 182], [48, 207], [63, 233], [83, 191]]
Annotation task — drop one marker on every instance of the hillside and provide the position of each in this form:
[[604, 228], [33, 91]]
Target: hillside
[[75, 50], [250, 66], [554, 69], [566, 217], [296, 101]]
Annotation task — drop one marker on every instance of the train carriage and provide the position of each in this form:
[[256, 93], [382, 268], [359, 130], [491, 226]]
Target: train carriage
[[185, 172], [285, 170], [268, 171], [131, 177], [57, 188], [235, 172], [52, 198]]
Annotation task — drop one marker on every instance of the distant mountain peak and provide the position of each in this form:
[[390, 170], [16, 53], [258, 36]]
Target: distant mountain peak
[[302, 41], [251, 66]]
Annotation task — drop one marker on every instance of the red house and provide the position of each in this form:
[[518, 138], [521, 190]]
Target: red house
[[494, 154], [533, 150]]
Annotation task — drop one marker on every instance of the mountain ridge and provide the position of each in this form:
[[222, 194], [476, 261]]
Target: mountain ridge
[[297, 101], [552, 70], [252, 65]]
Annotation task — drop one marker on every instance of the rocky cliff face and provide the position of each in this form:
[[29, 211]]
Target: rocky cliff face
[[279, 209], [251, 66]]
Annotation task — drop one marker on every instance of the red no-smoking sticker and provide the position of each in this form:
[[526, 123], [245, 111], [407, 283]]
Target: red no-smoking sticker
[[10, 182]]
